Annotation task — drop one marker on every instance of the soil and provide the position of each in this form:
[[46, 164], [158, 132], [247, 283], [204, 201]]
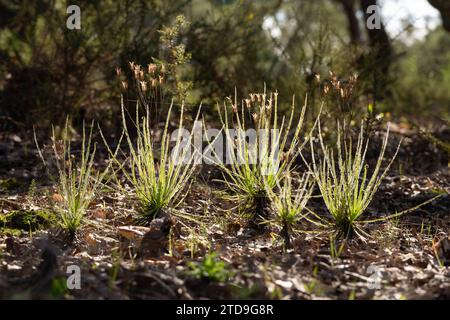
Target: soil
[[404, 258]]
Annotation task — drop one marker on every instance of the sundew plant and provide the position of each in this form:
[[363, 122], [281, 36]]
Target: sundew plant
[[258, 152], [158, 176], [345, 183], [78, 182], [289, 200]]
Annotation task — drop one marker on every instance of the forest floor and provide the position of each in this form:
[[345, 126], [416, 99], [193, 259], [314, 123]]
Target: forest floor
[[404, 258]]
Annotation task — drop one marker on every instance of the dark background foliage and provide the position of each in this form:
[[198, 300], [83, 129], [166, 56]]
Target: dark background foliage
[[48, 71]]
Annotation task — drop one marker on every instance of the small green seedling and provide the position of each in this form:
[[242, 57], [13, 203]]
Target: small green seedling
[[210, 268]]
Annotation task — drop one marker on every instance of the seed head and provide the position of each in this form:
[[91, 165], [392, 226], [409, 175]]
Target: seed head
[[144, 86], [152, 68], [317, 78], [285, 156], [269, 104], [136, 73]]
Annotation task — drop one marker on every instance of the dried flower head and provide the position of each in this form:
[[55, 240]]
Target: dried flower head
[[332, 75], [152, 68], [269, 104], [353, 78], [317, 78], [143, 86], [136, 73], [285, 156]]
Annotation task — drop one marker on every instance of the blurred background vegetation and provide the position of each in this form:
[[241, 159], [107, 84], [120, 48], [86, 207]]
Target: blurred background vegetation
[[204, 50]]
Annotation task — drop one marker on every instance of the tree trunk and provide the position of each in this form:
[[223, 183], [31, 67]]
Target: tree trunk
[[377, 67], [353, 24], [444, 8]]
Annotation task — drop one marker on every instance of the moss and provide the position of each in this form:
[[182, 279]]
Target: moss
[[26, 220], [58, 288], [11, 232], [9, 184]]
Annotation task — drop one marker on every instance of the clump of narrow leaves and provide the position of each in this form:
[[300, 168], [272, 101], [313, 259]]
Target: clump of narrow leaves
[[77, 182], [157, 176], [289, 203], [345, 183], [258, 158]]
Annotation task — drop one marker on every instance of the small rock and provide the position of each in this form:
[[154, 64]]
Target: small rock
[[442, 250], [99, 214], [13, 267], [156, 240]]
